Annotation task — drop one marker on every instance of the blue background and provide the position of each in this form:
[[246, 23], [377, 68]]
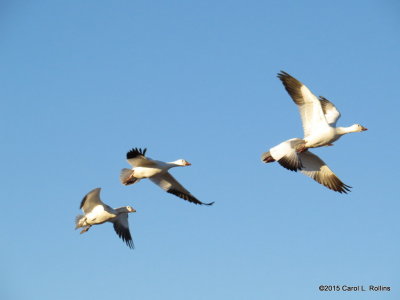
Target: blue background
[[82, 82]]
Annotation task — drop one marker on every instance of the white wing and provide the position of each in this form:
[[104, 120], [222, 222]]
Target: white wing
[[330, 111], [317, 169], [311, 113]]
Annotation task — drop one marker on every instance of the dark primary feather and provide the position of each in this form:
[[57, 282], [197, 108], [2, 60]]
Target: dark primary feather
[[291, 164], [124, 234], [187, 197], [292, 86], [317, 169], [83, 202], [291, 159], [135, 152], [325, 104], [333, 183]]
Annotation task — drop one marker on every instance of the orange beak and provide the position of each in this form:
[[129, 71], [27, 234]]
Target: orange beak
[[188, 164], [364, 129]]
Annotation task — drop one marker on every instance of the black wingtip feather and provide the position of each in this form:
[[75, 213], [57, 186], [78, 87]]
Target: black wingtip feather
[[135, 152], [322, 98], [288, 79], [334, 184], [292, 86], [346, 188], [187, 197], [283, 74], [341, 187], [124, 234]]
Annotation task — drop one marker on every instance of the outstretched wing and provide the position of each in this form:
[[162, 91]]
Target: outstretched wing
[[311, 113], [121, 227], [172, 186], [317, 169]]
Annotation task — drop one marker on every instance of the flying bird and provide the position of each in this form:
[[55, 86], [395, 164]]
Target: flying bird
[[318, 115], [157, 172], [307, 162], [96, 212]]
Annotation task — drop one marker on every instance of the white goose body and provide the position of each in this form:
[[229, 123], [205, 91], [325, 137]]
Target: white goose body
[[146, 172], [318, 115], [321, 137], [96, 213], [157, 168], [157, 172], [99, 215]]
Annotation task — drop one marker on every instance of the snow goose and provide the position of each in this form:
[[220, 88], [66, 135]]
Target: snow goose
[[157, 172], [319, 116], [308, 163], [96, 212]]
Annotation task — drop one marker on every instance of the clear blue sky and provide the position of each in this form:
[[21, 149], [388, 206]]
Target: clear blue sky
[[82, 82]]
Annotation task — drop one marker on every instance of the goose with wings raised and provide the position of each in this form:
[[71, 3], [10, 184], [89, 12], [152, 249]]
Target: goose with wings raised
[[318, 116], [157, 172], [96, 212]]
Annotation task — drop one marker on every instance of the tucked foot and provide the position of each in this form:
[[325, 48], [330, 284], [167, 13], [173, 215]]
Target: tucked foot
[[86, 229], [130, 180]]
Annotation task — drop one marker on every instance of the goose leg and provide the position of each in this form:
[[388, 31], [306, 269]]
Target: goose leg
[[86, 229], [130, 180]]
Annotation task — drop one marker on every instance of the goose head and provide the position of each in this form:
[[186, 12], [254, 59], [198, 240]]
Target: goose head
[[358, 128], [130, 209], [182, 163], [350, 129]]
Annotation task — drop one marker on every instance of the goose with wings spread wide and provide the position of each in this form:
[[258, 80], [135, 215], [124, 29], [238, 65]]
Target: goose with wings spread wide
[[157, 172], [319, 117]]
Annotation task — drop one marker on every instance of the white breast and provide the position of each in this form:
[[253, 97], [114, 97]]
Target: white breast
[[143, 172], [99, 215], [320, 137]]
